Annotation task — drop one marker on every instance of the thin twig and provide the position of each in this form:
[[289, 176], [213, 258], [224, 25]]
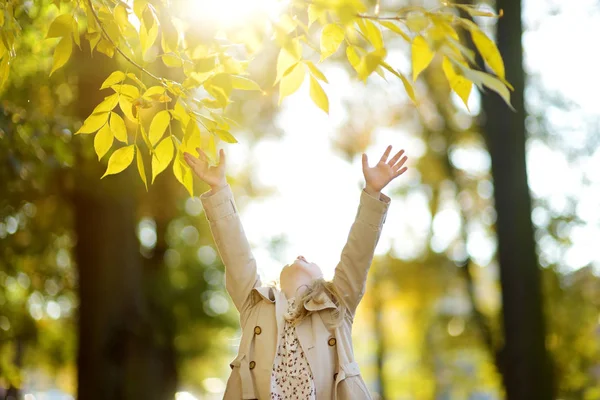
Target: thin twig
[[376, 17], [150, 74]]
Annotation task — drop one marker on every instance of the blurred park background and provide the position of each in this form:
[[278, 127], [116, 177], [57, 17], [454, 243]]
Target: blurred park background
[[486, 278]]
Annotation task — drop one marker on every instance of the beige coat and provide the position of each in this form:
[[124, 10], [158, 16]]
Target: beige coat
[[328, 350]]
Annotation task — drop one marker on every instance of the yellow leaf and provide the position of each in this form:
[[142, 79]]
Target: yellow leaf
[[489, 51], [171, 60], [158, 125], [140, 165], [208, 143], [113, 79], [117, 125], [225, 136], [394, 28], [192, 138], [353, 57], [458, 83], [163, 154], [119, 160], [61, 26], [331, 38], [103, 141], [126, 107], [370, 62], [62, 53], [127, 90], [241, 83], [148, 30], [371, 32], [178, 112], [183, 173], [318, 95], [313, 14], [316, 72], [481, 78], [284, 61], [416, 21], [93, 123], [107, 104], [105, 47], [421, 56], [410, 90], [292, 81]]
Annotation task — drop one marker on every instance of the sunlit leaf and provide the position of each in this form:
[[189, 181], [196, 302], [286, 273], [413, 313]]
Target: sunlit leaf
[[162, 156], [93, 123], [292, 81], [119, 160], [127, 90], [126, 107], [318, 95], [284, 61], [458, 83], [140, 166], [225, 136], [410, 90], [117, 125], [353, 57], [474, 12], [113, 79], [331, 38], [191, 138], [241, 83], [172, 60], [316, 72], [370, 62], [183, 173], [417, 21], [61, 26], [107, 104], [484, 79], [394, 28], [158, 126], [62, 53], [103, 141], [489, 51], [421, 56], [371, 32]]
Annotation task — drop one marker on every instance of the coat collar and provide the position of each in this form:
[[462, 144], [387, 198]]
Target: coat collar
[[272, 295]]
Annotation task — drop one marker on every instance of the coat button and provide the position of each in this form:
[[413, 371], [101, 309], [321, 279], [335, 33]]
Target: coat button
[[252, 364], [257, 330], [335, 376], [331, 341]]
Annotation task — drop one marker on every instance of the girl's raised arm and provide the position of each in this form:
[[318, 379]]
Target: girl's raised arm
[[350, 276], [228, 233]]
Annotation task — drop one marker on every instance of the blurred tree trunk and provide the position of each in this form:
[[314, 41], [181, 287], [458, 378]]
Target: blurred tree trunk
[[524, 360], [117, 357], [379, 327]]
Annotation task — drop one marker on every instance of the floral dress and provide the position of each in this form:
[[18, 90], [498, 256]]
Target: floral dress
[[291, 377]]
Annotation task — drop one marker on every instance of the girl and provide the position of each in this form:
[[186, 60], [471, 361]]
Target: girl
[[296, 342]]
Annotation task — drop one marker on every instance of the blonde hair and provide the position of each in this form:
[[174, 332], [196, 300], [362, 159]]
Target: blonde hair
[[318, 291]]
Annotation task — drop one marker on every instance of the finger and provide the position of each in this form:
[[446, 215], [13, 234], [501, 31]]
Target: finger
[[395, 158], [222, 158], [190, 159], [203, 156], [365, 161], [386, 153], [403, 170], [400, 163]]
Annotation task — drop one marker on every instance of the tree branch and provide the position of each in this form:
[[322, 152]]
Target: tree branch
[[144, 70]]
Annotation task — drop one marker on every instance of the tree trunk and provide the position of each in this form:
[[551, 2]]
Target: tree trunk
[[524, 359]]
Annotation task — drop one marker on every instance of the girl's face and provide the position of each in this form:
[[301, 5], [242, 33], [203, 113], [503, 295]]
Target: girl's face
[[300, 267]]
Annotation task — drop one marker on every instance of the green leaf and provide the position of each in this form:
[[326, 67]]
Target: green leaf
[[241, 83], [458, 83], [489, 51], [421, 56], [163, 154], [61, 26], [158, 126], [119, 160], [318, 95], [117, 125], [331, 38], [113, 79], [140, 166], [93, 123], [292, 81], [316, 72], [62, 53], [103, 141]]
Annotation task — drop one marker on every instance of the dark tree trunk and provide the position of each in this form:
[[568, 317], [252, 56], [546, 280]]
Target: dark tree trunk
[[524, 360]]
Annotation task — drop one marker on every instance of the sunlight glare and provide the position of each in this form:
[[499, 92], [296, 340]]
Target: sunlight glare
[[230, 13]]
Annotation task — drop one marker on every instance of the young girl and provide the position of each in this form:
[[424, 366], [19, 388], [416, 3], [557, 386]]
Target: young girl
[[296, 342]]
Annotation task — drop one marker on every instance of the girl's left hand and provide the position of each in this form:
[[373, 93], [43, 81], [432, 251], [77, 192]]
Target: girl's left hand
[[385, 171]]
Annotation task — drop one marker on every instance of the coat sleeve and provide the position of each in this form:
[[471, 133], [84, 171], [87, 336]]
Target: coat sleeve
[[350, 277], [240, 266]]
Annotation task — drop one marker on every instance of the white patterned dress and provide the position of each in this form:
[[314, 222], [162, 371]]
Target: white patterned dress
[[291, 377]]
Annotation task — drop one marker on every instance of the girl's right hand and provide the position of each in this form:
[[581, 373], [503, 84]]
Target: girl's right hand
[[213, 176]]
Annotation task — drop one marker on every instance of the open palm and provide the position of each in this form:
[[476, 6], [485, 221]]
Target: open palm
[[384, 172], [213, 176]]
